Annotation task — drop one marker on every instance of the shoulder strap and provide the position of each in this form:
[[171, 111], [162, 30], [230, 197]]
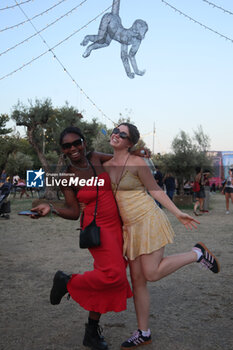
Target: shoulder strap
[[97, 189]]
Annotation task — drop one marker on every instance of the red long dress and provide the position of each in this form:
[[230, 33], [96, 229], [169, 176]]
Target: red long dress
[[106, 287]]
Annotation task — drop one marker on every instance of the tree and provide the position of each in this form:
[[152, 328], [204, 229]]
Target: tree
[[201, 139], [18, 163], [44, 124], [59, 120], [7, 144], [34, 117], [101, 142], [188, 153], [4, 118]]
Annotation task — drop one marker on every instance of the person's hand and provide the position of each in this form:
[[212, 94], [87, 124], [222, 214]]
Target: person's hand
[[142, 152], [188, 221], [42, 210]]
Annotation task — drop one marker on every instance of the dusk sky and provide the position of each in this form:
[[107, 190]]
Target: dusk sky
[[189, 68]]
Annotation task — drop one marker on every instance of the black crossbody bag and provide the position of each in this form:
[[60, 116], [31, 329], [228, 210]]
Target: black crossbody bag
[[90, 236]]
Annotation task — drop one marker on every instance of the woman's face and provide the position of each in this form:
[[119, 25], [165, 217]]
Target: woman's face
[[73, 147], [120, 138]]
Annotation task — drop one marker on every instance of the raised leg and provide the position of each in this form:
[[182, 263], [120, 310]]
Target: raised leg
[[102, 32], [155, 266], [95, 46], [88, 38]]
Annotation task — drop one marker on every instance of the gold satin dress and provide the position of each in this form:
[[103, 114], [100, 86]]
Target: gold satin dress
[[146, 228]]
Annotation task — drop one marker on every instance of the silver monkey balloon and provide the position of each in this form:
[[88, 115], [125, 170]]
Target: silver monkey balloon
[[111, 28]]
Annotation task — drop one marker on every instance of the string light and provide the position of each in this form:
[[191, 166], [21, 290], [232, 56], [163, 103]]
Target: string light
[[218, 7], [10, 7], [55, 46], [37, 32], [39, 14], [197, 22], [61, 64]]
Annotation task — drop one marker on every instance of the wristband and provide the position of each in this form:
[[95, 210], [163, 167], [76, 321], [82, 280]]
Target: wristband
[[53, 210]]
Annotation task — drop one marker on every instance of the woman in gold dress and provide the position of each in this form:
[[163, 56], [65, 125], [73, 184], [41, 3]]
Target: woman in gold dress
[[146, 228]]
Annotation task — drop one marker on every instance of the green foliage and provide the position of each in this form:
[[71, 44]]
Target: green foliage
[[44, 124], [52, 158], [202, 140], [8, 145], [140, 144], [101, 141], [59, 120], [4, 118], [18, 163], [188, 153], [32, 115]]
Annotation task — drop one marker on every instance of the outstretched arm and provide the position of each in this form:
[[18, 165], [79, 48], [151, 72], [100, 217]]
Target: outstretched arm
[[132, 53], [157, 193], [70, 211], [104, 157], [125, 60]]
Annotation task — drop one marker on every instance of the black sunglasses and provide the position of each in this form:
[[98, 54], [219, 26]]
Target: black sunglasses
[[75, 143], [122, 134]]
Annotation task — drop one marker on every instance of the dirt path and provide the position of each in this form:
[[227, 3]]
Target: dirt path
[[190, 310]]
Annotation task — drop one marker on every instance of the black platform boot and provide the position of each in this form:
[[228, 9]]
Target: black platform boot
[[59, 288], [93, 337]]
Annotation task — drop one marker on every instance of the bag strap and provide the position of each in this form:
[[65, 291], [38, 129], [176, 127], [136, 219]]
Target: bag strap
[[97, 190]]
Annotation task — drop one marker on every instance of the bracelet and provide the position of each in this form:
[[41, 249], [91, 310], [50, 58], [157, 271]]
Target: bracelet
[[53, 210]]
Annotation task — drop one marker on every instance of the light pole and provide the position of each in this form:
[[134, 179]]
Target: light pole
[[153, 147]]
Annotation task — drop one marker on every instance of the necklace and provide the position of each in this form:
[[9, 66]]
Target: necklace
[[118, 183], [76, 167]]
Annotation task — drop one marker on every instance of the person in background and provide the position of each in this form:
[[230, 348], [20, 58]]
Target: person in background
[[188, 185], [170, 184], [199, 195], [228, 190], [3, 177], [206, 176], [15, 181], [158, 176], [22, 185], [213, 188]]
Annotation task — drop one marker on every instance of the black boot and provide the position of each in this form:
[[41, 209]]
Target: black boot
[[59, 289], [93, 338]]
